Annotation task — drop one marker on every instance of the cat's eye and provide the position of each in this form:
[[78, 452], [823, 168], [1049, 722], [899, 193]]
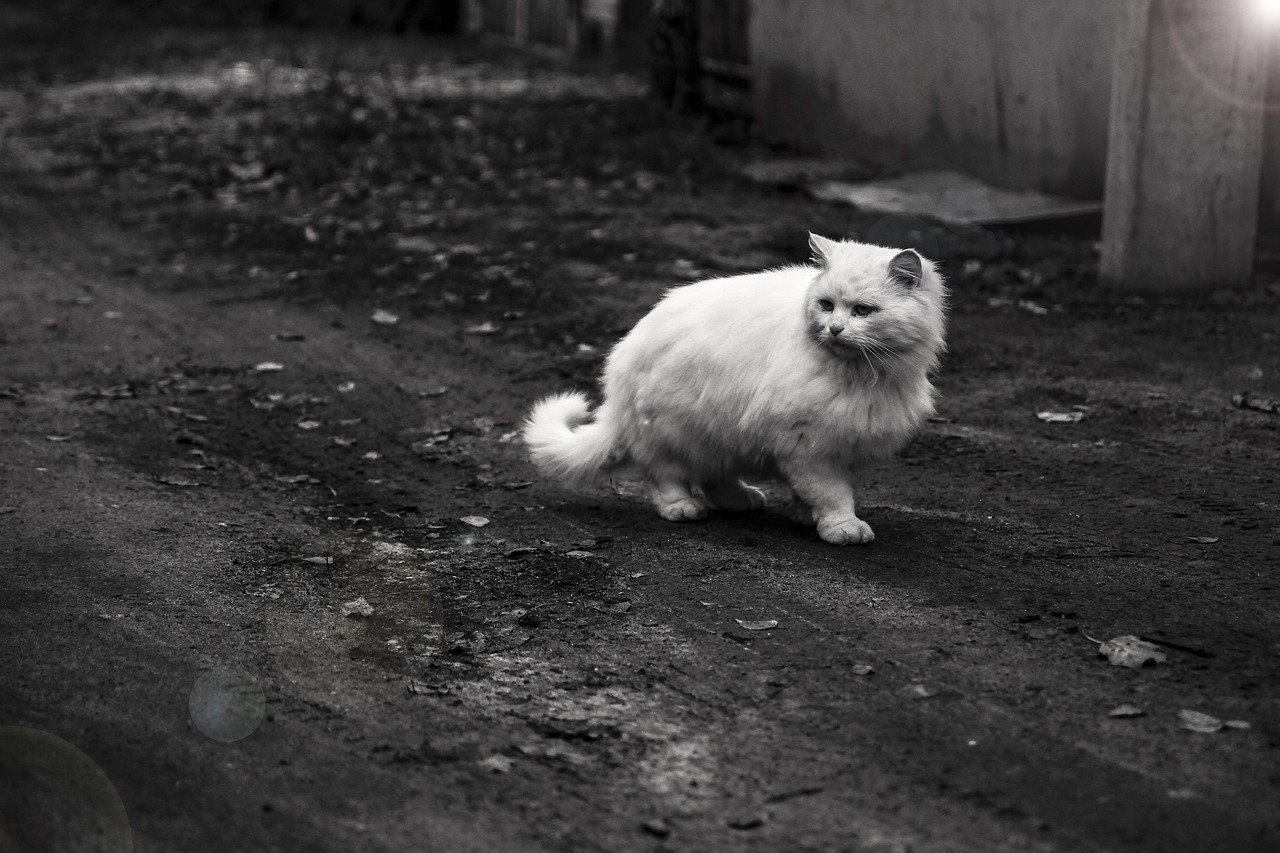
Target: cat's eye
[[863, 310], [826, 305]]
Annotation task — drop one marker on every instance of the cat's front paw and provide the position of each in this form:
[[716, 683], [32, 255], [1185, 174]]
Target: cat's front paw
[[845, 531], [684, 509]]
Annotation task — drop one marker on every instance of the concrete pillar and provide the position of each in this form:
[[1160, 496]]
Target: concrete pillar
[[1185, 146]]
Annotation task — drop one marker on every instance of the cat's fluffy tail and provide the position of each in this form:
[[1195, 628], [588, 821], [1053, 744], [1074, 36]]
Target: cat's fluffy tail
[[563, 445]]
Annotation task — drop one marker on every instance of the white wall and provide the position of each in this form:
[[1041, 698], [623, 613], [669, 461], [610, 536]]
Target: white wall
[[1015, 91]]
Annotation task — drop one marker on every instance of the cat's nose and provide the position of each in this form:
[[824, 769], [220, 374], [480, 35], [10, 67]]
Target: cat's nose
[[835, 330]]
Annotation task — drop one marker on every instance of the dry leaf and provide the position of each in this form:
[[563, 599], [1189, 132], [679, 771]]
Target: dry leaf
[[1060, 417], [296, 478], [1258, 403], [357, 607], [307, 424], [1238, 724], [1202, 540], [497, 763], [475, 520], [1131, 651], [757, 624], [619, 607], [862, 669], [1196, 721], [1126, 710]]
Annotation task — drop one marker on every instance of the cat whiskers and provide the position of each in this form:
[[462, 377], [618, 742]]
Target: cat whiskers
[[878, 354], [875, 374]]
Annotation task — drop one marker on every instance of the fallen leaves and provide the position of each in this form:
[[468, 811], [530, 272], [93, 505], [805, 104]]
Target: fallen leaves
[[1195, 721], [1257, 403], [1073, 417], [1198, 721], [1131, 651], [616, 608], [357, 607]]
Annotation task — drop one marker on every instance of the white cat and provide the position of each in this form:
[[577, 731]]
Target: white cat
[[802, 374]]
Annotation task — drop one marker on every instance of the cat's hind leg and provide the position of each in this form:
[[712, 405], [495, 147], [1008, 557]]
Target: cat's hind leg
[[830, 495], [674, 499], [733, 495]]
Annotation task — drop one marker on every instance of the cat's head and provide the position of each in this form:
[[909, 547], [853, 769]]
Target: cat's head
[[875, 306]]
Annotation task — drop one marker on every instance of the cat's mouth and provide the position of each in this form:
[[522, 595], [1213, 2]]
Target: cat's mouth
[[879, 357]]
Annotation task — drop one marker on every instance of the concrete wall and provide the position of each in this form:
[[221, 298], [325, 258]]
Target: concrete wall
[[1014, 91]]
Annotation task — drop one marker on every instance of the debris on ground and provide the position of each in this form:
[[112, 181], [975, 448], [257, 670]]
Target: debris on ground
[[862, 669], [1061, 417], [268, 367], [616, 608], [474, 520], [950, 196], [293, 479], [1202, 540], [1126, 711], [384, 318], [497, 763], [1258, 403], [1196, 721], [757, 624], [1131, 651], [357, 607]]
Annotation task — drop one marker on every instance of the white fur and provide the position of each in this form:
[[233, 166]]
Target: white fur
[[742, 377]]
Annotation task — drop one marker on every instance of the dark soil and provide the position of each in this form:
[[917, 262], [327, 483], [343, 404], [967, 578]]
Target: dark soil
[[183, 202]]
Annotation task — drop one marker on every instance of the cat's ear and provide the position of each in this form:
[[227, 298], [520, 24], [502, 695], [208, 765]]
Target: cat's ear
[[907, 268], [822, 249]]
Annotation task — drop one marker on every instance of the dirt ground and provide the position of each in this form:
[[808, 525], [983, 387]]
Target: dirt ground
[[272, 305]]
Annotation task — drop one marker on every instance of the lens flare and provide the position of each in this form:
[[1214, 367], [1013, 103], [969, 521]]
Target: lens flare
[[1265, 12]]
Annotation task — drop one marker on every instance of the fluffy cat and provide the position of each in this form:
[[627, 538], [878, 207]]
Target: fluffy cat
[[802, 374]]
